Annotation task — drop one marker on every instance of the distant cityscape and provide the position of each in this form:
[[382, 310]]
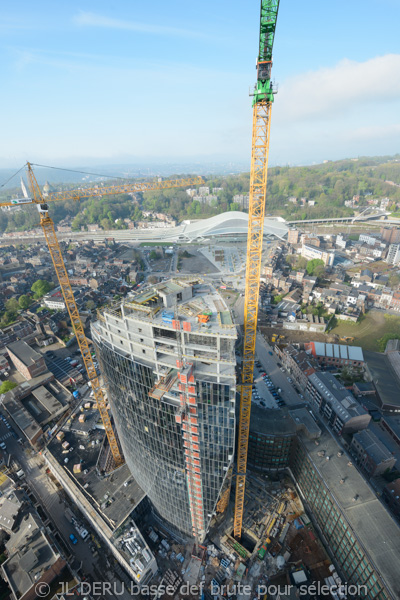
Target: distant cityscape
[[324, 405]]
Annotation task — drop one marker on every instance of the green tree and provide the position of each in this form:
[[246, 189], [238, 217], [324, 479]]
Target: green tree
[[313, 264], [319, 271], [394, 280], [24, 301], [12, 306], [6, 386], [40, 288], [90, 305]]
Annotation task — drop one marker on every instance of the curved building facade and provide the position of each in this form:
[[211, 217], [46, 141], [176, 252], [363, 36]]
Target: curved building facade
[[229, 225], [168, 362]]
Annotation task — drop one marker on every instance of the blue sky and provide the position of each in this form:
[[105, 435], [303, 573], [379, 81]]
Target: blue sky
[[139, 81]]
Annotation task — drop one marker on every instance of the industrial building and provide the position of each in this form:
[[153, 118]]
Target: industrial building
[[339, 355], [167, 355]]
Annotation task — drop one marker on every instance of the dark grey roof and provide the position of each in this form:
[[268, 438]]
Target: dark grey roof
[[25, 353], [372, 446], [372, 524]]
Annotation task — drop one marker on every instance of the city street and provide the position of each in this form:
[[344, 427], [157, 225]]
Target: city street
[[52, 503], [279, 378]]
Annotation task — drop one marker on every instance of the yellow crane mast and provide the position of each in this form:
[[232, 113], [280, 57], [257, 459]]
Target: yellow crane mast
[[262, 102], [63, 279]]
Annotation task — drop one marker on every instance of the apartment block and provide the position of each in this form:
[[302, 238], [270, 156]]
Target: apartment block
[[337, 404]]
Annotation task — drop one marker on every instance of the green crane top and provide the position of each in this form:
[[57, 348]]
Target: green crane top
[[268, 18]]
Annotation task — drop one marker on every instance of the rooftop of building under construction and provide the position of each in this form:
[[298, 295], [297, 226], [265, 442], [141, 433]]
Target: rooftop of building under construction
[[196, 304]]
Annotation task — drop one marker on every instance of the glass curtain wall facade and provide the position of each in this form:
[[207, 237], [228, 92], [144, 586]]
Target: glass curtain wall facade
[[339, 537], [150, 437], [177, 430]]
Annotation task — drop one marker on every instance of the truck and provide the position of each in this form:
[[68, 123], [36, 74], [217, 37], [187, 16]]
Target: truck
[[75, 394], [20, 473]]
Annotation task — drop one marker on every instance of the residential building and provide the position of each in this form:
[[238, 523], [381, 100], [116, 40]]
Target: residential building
[[26, 360], [311, 252], [337, 404], [390, 235], [293, 236], [298, 362], [54, 300], [393, 255], [372, 455], [367, 239], [168, 361], [32, 559], [341, 242]]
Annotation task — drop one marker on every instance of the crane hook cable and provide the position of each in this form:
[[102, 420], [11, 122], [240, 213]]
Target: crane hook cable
[[82, 172]]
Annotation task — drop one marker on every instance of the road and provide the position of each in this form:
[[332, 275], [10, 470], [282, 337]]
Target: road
[[47, 494], [53, 505], [279, 378]]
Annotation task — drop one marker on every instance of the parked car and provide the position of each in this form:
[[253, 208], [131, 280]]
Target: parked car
[[73, 539]]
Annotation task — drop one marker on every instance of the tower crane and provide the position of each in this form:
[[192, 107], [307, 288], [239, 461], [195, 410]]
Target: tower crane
[[41, 200], [263, 97]]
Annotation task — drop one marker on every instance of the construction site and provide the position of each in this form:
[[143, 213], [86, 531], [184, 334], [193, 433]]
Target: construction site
[[163, 477]]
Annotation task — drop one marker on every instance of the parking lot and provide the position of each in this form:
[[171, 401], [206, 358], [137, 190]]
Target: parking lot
[[279, 376], [265, 393]]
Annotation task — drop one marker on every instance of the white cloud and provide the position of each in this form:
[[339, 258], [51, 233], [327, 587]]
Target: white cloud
[[373, 132], [89, 19], [337, 91]]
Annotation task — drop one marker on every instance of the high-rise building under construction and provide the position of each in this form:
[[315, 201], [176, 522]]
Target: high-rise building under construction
[[167, 355]]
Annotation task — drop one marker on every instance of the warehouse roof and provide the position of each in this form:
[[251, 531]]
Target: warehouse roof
[[341, 351]]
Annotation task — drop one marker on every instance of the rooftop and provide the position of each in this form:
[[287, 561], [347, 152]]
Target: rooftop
[[337, 396], [340, 351], [113, 496], [373, 446], [283, 422], [24, 353], [21, 416], [377, 531], [385, 378], [30, 555], [178, 299]]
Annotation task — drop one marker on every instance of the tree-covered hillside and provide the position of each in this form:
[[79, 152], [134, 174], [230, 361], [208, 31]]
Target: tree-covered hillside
[[329, 185]]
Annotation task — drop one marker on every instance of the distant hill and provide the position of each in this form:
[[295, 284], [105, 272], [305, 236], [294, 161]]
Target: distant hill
[[328, 185]]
